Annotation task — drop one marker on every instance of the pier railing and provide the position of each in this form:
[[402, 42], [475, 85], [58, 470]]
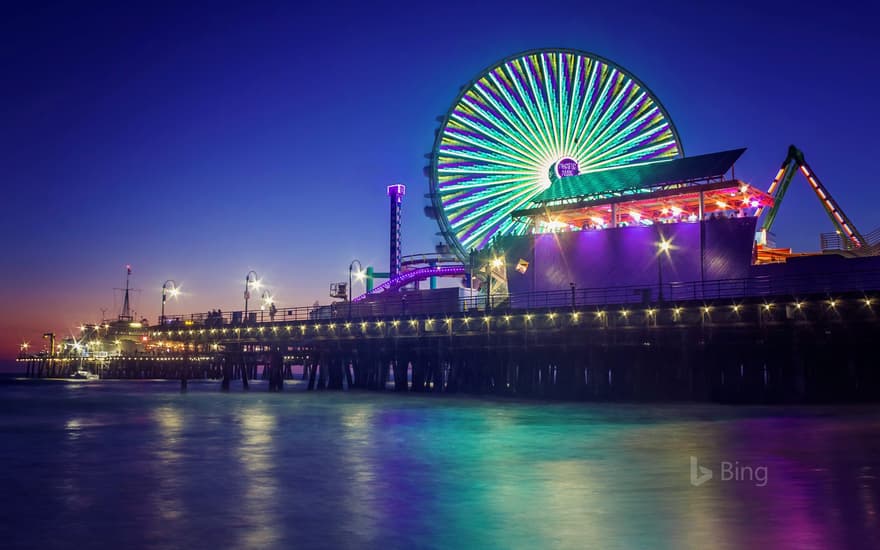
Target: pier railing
[[397, 304]]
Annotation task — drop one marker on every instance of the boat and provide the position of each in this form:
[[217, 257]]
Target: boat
[[84, 375]]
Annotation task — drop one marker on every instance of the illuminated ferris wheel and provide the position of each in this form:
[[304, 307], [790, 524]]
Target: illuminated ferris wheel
[[526, 117]]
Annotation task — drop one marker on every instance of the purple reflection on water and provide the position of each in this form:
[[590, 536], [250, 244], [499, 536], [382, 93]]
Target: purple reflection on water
[[136, 464]]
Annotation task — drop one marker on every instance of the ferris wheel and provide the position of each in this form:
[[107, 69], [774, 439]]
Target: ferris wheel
[[526, 117]]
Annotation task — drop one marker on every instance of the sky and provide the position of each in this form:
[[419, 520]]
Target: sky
[[199, 141]]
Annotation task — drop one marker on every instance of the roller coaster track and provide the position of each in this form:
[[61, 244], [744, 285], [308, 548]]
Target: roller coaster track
[[413, 275]]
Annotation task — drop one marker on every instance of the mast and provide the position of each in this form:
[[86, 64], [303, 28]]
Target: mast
[[126, 309]]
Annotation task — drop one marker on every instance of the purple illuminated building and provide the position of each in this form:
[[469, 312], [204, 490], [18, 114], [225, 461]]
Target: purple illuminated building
[[681, 220]]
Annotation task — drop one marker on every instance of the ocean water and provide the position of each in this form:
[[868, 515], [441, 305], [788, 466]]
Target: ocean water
[[139, 465]]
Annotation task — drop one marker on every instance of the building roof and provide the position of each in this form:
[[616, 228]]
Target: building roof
[[639, 178]]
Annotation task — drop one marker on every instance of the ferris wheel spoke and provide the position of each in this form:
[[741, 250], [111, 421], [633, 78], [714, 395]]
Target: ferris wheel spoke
[[483, 130], [465, 170], [457, 197], [524, 129], [533, 99], [487, 129], [485, 183], [614, 133], [472, 212], [512, 131], [633, 140], [563, 103], [497, 94], [551, 101], [476, 196], [612, 127], [484, 155], [646, 155], [573, 76], [542, 105], [506, 136], [646, 135], [484, 152], [608, 102], [490, 187], [497, 218], [488, 179], [530, 108], [563, 100], [585, 100], [596, 103]]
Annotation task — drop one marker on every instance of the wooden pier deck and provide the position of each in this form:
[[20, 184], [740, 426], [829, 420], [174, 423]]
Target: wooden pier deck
[[781, 348]]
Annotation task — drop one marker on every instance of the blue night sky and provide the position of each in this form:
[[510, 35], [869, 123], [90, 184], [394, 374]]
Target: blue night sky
[[197, 142]]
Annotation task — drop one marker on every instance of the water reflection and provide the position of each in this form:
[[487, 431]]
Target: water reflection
[[258, 457], [73, 426], [142, 465], [364, 484], [166, 498], [868, 496], [71, 494]]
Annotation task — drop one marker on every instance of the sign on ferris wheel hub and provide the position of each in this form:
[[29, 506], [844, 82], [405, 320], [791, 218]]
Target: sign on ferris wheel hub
[[566, 168]]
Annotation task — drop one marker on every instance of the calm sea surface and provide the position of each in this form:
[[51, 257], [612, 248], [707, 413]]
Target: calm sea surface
[[139, 465]]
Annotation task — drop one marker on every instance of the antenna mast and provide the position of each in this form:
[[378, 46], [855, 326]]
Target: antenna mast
[[126, 309]]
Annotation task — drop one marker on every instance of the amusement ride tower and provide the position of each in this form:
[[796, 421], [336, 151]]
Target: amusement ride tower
[[395, 193]]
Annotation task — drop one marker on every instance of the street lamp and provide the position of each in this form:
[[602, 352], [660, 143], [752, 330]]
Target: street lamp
[[663, 247], [360, 275], [250, 279], [267, 301], [173, 291]]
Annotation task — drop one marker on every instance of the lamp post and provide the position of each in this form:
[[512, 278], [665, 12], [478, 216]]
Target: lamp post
[[267, 300], [248, 281], [663, 250], [360, 275], [165, 291]]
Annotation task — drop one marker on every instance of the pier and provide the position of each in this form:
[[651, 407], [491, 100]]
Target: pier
[[618, 269], [773, 340]]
